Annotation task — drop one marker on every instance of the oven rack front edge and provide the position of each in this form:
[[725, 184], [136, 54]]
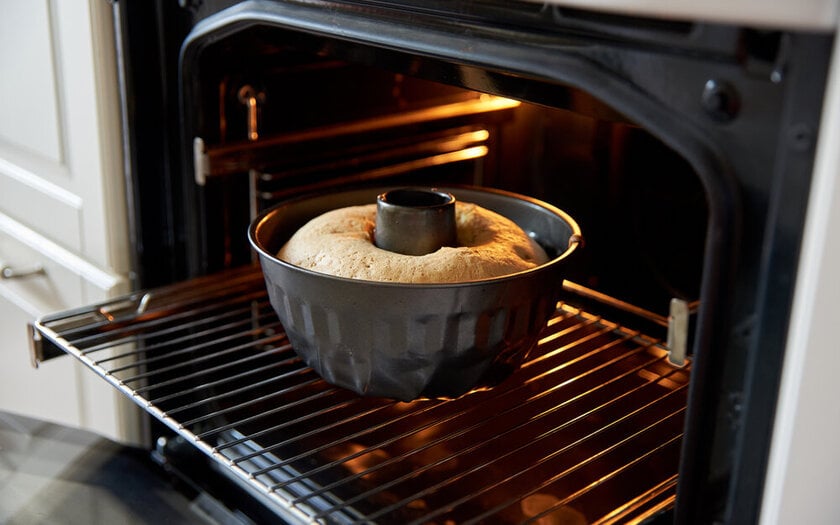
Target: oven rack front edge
[[588, 429]]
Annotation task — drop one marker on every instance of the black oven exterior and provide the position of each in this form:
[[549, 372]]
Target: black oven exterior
[[740, 105]]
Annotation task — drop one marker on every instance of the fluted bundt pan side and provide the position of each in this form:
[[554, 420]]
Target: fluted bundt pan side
[[406, 341]]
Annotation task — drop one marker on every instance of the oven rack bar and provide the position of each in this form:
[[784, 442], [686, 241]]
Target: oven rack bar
[[588, 429], [385, 161], [260, 155]]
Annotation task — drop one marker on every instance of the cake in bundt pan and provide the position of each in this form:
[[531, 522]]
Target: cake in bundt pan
[[406, 340]]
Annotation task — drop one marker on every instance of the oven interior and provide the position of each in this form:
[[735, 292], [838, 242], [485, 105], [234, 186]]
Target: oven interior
[[592, 428], [326, 118]]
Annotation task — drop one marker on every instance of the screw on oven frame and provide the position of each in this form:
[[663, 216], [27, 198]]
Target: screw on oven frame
[[720, 100]]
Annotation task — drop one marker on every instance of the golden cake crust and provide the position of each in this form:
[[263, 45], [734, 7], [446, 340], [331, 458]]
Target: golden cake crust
[[340, 243]]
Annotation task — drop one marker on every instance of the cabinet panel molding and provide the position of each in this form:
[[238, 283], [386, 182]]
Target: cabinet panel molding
[[46, 208], [52, 252]]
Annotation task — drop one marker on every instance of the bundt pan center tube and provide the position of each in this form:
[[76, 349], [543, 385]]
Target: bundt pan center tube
[[404, 340], [415, 221]]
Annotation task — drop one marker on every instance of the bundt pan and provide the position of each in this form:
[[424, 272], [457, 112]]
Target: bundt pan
[[409, 341]]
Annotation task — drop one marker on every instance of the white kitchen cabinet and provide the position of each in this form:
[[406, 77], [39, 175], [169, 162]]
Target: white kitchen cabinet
[[62, 201]]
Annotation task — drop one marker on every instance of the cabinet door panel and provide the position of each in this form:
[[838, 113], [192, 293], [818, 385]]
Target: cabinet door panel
[[48, 392], [29, 116], [60, 142], [46, 279]]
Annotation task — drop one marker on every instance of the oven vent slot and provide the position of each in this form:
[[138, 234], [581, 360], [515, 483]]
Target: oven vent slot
[[588, 430]]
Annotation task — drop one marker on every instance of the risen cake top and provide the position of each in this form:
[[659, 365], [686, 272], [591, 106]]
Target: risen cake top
[[341, 243]]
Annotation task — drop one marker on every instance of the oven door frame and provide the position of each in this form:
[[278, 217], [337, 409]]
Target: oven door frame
[[757, 207]]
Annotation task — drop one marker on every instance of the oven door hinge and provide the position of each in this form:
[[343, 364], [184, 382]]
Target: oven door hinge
[[678, 318], [201, 161]]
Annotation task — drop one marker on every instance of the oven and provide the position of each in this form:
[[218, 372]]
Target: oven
[[684, 148]]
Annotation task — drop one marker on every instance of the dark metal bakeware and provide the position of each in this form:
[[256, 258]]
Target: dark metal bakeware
[[406, 341]]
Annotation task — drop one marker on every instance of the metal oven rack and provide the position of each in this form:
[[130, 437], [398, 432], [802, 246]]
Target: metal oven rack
[[588, 430]]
